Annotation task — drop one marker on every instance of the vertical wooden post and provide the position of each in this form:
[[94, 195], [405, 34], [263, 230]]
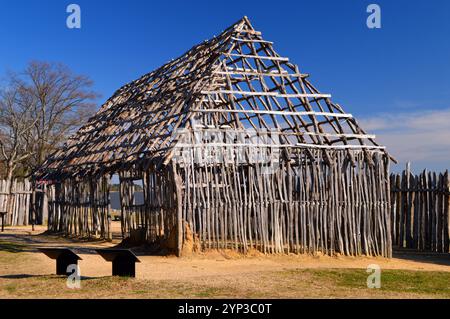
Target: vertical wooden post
[[447, 181], [177, 180], [44, 214], [33, 208], [390, 226], [409, 202], [108, 212]]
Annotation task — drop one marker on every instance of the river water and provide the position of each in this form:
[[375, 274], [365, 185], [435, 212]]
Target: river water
[[115, 199]]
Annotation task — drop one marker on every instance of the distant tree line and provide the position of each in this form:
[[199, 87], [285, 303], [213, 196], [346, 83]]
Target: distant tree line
[[39, 108]]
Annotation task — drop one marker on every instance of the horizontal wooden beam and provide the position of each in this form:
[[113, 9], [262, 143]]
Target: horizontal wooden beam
[[298, 145], [274, 94], [341, 146], [237, 69], [250, 72], [272, 112], [250, 32], [272, 58], [251, 40], [276, 132]]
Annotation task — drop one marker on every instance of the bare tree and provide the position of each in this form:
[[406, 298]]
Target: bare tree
[[17, 121], [62, 101], [39, 108], [16, 124]]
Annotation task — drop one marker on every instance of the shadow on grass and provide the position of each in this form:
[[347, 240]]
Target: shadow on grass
[[16, 243], [28, 276], [11, 247], [21, 276], [423, 257], [50, 276]]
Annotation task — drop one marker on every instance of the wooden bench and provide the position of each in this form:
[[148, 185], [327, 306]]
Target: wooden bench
[[64, 258], [123, 261]]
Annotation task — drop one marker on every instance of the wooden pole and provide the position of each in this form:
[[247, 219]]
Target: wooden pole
[[179, 209]]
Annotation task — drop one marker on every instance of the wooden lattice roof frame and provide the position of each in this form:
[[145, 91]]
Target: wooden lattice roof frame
[[237, 79]]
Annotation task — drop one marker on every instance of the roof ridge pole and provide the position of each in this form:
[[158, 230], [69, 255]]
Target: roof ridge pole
[[247, 21]]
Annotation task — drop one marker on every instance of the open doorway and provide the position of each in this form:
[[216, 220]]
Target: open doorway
[[138, 192]]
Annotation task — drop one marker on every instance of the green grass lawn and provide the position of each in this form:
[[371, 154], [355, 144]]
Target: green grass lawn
[[418, 282], [11, 247]]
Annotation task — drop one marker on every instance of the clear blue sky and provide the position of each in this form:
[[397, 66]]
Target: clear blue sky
[[403, 68]]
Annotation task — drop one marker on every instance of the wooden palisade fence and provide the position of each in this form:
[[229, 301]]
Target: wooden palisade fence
[[19, 203], [80, 208], [303, 206], [420, 211]]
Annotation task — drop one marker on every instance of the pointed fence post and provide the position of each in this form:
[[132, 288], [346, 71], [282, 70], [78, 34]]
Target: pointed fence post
[[448, 211]]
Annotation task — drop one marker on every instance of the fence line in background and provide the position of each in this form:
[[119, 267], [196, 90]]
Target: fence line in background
[[19, 212], [420, 210]]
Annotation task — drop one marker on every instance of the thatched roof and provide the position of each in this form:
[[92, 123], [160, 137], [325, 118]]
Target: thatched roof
[[235, 80]]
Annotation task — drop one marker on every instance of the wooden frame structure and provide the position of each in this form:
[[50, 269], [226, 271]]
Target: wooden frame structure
[[235, 148]]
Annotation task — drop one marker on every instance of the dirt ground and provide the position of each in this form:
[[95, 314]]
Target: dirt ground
[[213, 274]]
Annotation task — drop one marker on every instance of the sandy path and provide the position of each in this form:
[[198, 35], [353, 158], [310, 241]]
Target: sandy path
[[210, 265]]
